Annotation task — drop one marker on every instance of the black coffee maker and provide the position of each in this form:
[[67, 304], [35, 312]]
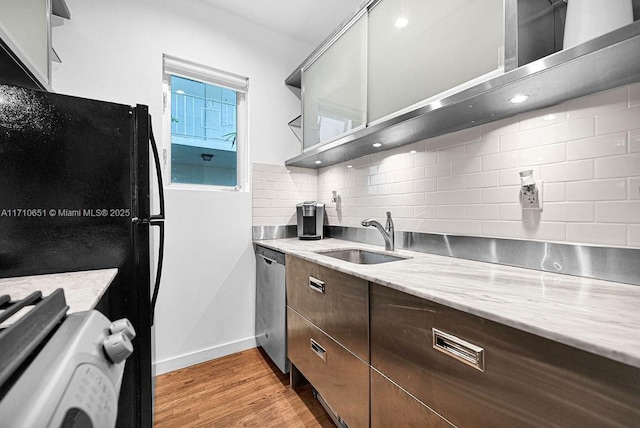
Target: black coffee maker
[[310, 220]]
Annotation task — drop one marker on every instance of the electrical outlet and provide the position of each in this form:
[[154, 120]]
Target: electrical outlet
[[533, 201]]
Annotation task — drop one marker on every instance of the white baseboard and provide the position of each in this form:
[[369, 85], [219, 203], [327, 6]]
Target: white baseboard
[[182, 361]]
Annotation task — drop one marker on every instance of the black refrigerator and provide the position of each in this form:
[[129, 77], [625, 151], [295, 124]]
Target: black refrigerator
[[75, 195]]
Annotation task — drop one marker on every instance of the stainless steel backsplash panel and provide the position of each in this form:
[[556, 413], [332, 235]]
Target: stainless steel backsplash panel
[[612, 264], [274, 232]]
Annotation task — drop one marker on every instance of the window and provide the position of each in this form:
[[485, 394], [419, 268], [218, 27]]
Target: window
[[205, 125]]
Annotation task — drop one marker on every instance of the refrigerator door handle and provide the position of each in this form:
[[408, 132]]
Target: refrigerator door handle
[[156, 286], [156, 158]]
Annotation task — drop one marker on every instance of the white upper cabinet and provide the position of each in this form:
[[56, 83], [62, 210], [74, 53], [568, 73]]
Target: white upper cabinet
[[421, 48], [334, 88]]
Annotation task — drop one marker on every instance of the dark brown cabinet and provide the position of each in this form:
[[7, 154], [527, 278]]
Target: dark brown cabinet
[[528, 381], [369, 350]]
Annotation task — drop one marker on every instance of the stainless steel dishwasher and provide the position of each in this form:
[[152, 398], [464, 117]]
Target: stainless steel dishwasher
[[271, 305]]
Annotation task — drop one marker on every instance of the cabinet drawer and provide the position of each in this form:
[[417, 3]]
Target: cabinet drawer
[[528, 381], [339, 376], [393, 407], [336, 302]]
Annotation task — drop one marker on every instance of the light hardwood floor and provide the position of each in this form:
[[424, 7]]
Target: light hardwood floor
[[241, 390]]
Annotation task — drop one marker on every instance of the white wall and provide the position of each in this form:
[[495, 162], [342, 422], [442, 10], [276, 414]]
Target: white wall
[[113, 51]]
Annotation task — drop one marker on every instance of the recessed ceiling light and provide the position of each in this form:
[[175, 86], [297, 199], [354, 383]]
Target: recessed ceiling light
[[377, 145], [519, 99], [402, 22], [349, 166], [318, 162]]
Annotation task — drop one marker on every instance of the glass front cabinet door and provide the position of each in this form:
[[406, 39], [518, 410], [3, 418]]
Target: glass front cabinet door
[[422, 49], [334, 87]]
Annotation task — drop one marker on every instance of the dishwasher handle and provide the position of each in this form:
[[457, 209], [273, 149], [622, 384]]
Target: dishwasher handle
[[267, 260]]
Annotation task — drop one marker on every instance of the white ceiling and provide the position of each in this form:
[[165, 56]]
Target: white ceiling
[[308, 20]]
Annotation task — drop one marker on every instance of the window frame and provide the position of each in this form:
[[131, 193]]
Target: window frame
[[173, 66]]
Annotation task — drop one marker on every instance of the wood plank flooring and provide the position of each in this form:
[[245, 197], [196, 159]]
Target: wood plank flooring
[[240, 390]]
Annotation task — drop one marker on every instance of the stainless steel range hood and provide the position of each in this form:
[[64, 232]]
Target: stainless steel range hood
[[603, 63]]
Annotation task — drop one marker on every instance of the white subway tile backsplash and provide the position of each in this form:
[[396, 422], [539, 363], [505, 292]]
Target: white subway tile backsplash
[[634, 141], [618, 212], [591, 105], [466, 197], [451, 154], [617, 166], [554, 192], [511, 177], [634, 188], [569, 211], [453, 139], [483, 147], [425, 158], [451, 212], [634, 95], [265, 194], [481, 179], [467, 182], [570, 171], [634, 236], [482, 212], [595, 190], [451, 183], [510, 212], [524, 230], [619, 120], [412, 174], [543, 117], [500, 161], [500, 127], [501, 195], [466, 227], [438, 170], [428, 185], [438, 198], [607, 145], [543, 155], [466, 166], [565, 131], [594, 233], [414, 199], [425, 212], [414, 225], [438, 226]]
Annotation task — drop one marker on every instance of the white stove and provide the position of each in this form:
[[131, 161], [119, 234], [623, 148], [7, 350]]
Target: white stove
[[57, 370]]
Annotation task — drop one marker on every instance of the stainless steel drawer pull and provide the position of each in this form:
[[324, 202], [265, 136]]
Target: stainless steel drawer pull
[[316, 285], [319, 350], [459, 349]]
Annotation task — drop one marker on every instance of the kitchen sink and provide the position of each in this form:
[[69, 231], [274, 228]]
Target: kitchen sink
[[362, 257]]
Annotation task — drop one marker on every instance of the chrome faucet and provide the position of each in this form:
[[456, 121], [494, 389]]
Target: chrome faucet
[[386, 234]]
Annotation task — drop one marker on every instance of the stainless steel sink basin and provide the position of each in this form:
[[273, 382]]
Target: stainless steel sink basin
[[362, 257]]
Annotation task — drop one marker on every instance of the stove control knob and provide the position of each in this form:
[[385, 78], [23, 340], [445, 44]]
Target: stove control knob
[[123, 326], [118, 347]]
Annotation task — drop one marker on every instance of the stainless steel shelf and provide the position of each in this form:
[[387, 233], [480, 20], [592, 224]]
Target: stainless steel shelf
[[603, 63]]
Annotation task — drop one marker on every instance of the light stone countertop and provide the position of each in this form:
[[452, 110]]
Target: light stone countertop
[[601, 317], [82, 290]]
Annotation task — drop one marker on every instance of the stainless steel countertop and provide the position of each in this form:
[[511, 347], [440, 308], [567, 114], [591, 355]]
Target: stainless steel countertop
[[597, 316], [82, 290]]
